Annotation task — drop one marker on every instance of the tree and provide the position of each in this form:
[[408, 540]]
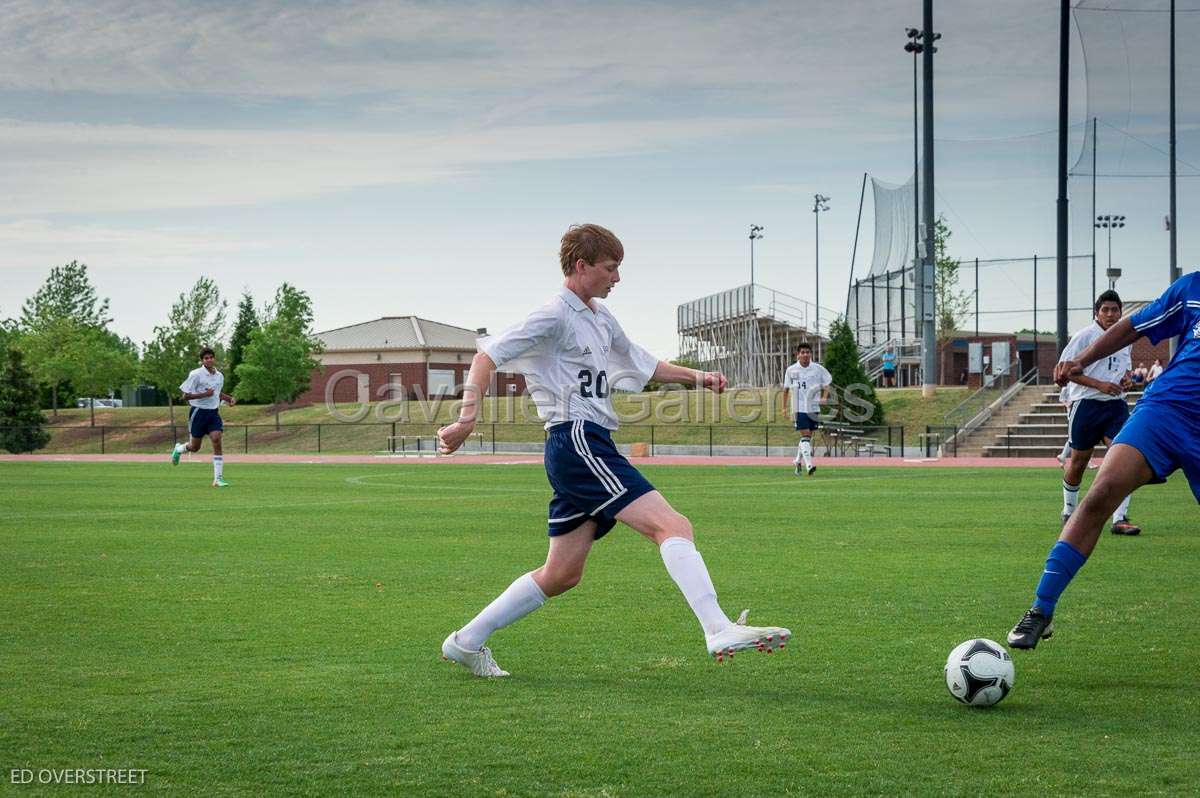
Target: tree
[[66, 294], [279, 359], [46, 347], [953, 305], [21, 420], [856, 400], [99, 362], [62, 309], [196, 320], [247, 323]]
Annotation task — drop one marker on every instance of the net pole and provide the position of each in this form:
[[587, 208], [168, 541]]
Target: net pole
[[977, 297], [929, 365], [854, 252], [1174, 273], [1064, 50], [1093, 221]]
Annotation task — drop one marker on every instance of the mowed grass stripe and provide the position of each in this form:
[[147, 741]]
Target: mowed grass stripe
[[281, 636]]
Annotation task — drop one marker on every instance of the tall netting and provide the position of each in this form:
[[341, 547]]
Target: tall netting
[[1125, 48], [997, 187], [881, 305]]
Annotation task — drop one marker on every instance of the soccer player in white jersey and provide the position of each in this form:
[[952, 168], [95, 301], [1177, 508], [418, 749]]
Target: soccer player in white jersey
[[573, 353], [202, 390], [1096, 408], [808, 382]]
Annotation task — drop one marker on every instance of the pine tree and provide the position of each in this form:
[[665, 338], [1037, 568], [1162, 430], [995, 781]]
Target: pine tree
[[247, 323], [279, 358], [21, 419], [856, 400]]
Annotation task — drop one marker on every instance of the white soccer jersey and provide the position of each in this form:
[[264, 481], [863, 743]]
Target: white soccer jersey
[[198, 381], [572, 357], [806, 384], [1109, 369]]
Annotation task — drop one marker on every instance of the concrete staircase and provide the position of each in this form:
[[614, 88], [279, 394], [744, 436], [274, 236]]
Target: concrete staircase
[[1036, 428], [980, 439]]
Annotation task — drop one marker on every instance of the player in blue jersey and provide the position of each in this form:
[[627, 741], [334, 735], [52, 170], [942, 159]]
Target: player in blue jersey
[[573, 353], [1162, 435]]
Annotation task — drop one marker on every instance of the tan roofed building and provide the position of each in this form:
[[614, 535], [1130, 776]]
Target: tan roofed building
[[397, 357]]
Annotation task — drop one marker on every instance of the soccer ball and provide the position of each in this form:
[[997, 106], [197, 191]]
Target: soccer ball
[[979, 672]]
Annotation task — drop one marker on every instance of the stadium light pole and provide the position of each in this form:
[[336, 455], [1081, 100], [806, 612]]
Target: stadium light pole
[[1109, 222], [925, 286], [755, 234], [915, 47], [820, 203]]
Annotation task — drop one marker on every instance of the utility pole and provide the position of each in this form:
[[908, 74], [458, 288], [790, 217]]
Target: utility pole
[[755, 234], [1064, 51], [820, 203], [926, 275]]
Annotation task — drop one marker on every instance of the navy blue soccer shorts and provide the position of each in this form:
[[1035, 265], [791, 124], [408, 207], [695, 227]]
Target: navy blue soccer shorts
[[1168, 436], [807, 422], [202, 421], [1090, 421], [592, 481]]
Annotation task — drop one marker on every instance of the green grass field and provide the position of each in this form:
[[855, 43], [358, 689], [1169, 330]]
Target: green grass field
[[282, 636]]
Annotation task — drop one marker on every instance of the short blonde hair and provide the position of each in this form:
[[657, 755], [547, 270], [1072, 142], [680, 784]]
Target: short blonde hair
[[591, 242]]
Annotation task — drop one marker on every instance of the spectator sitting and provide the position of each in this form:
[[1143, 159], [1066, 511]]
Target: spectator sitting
[[1154, 371], [1138, 375]]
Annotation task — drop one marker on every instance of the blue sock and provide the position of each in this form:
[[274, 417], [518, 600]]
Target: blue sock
[[1061, 566]]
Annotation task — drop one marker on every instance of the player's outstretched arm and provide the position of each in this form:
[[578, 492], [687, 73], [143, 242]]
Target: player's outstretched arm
[[478, 379], [673, 373], [1115, 338]]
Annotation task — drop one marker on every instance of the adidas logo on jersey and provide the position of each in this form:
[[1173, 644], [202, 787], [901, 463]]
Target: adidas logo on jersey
[[587, 350]]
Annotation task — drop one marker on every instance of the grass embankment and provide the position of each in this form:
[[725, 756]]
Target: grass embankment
[[738, 417]]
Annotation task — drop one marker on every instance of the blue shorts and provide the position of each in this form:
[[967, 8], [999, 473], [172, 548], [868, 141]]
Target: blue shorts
[[202, 421], [1089, 421], [592, 481], [805, 421], [1168, 437]]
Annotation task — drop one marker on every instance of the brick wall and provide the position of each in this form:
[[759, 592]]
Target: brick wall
[[412, 376]]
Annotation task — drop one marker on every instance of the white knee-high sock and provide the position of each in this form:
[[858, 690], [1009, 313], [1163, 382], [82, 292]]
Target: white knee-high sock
[[218, 466], [806, 451], [799, 451], [520, 598], [687, 568], [1070, 497], [1122, 510]]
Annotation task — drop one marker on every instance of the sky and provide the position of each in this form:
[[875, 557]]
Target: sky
[[397, 158]]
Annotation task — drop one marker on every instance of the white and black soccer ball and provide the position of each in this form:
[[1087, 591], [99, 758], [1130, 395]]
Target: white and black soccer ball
[[979, 672]]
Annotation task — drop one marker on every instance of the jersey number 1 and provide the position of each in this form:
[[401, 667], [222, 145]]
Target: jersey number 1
[[585, 384]]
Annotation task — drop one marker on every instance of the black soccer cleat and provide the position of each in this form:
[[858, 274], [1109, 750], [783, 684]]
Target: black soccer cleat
[[1034, 625], [812, 470], [1126, 527]]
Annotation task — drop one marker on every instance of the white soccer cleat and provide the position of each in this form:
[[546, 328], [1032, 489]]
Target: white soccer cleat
[[480, 663], [740, 637]]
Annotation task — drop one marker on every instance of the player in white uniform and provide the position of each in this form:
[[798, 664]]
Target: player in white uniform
[[202, 390], [808, 383], [1096, 407], [573, 353]]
